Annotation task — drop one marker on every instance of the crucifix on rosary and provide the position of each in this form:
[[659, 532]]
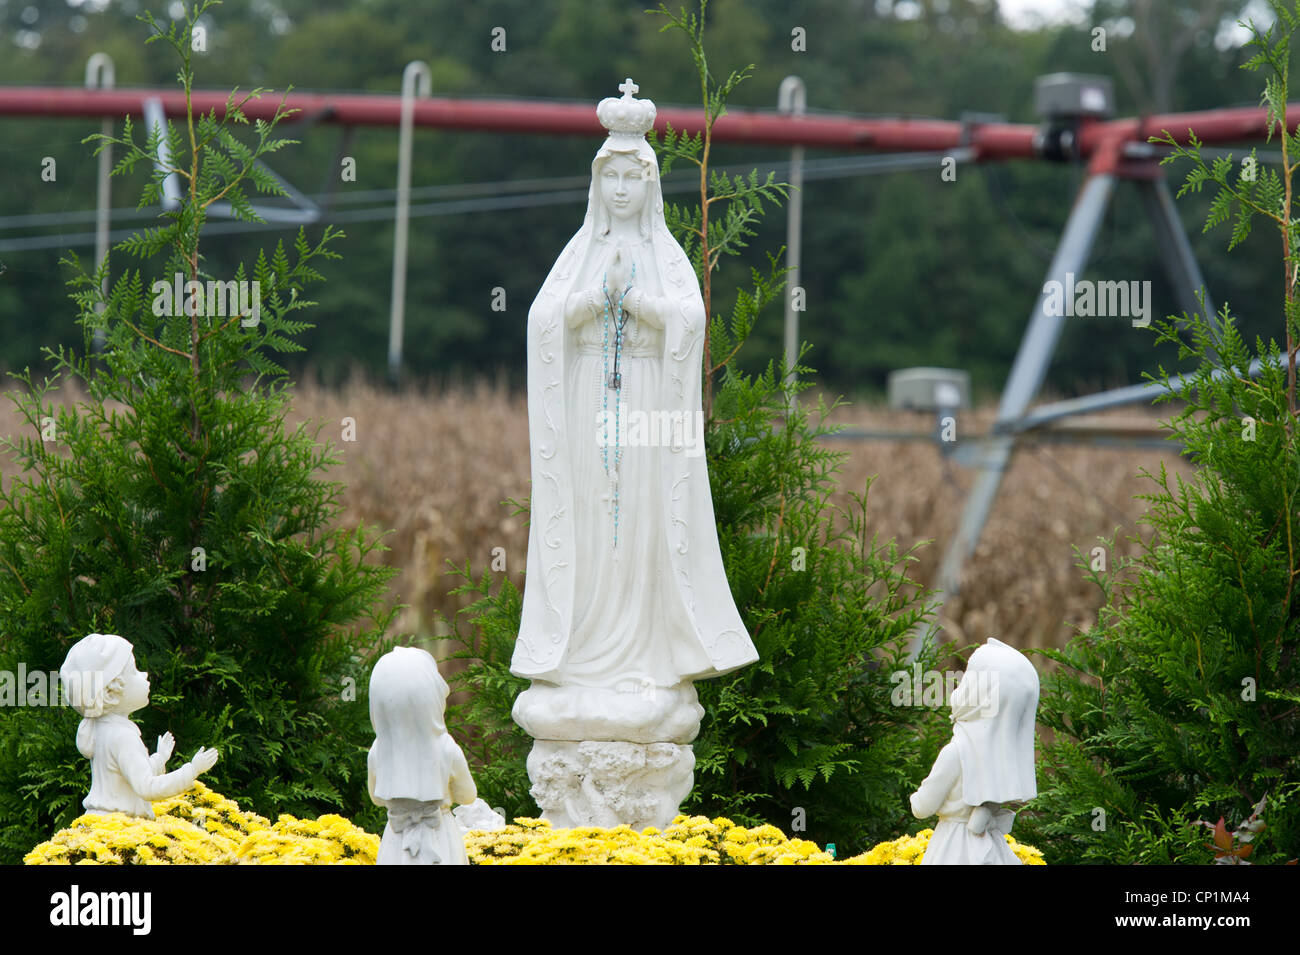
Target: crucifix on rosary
[[616, 317], [614, 379]]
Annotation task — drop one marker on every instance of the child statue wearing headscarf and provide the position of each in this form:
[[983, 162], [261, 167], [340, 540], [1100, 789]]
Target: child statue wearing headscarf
[[989, 762], [416, 770]]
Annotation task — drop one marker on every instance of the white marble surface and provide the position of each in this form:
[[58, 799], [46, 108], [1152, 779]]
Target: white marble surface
[[415, 769], [625, 579], [635, 713], [609, 783], [625, 600], [989, 762], [478, 815]]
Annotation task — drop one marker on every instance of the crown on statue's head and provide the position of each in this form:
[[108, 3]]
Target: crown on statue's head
[[626, 117]]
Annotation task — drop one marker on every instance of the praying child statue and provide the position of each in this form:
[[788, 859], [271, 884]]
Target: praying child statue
[[416, 770], [989, 762], [101, 682]]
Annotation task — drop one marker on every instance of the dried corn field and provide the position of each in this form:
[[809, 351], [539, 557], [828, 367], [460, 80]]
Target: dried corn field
[[1024, 584], [434, 470]]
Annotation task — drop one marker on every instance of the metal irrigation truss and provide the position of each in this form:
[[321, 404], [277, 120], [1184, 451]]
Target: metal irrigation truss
[[1077, 126]]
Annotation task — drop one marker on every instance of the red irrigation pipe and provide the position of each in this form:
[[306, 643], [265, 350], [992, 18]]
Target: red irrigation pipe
[[989, 141]]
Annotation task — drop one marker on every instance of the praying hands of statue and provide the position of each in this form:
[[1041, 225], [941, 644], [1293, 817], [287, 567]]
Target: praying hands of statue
[[619, 276], [636, 302], [589, 305]]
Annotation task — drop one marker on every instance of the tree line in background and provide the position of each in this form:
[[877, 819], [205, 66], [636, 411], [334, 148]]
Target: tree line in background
[[899, 269]]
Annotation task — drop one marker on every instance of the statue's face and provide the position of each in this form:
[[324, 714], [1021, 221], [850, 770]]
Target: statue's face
[[623, 186], [135, 690]]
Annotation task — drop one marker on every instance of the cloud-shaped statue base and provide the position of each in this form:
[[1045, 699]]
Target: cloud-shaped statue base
[[634, 712]]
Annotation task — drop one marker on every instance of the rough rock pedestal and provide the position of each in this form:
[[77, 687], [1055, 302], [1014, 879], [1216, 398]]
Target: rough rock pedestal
[[603, 783]]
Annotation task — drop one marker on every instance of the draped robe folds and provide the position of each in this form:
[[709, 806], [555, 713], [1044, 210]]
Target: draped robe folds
[[660, 611], [990, 760]]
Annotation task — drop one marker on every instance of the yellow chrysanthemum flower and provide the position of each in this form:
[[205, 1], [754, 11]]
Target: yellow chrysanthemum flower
[[204, 827]]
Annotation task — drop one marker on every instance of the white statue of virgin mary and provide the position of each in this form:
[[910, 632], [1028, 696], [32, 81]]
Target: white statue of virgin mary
[[625, 599]]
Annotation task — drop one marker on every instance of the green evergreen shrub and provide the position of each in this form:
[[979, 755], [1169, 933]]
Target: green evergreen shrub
[[1182, 704], [253, 644], [807, 736]]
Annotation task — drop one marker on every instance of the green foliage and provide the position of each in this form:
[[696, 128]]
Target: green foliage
[[829, 607], [810, 726], [1181, 703], [713, 96], [743, 195], [254, 644], [705, 235], [496, 748], [1242, 194]]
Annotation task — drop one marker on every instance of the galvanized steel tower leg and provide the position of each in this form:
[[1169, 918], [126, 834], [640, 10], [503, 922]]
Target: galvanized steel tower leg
[[1176, 251], [1027, 374]]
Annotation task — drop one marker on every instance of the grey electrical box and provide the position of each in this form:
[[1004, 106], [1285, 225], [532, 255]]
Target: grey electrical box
[[1074, 95], [929, 389]]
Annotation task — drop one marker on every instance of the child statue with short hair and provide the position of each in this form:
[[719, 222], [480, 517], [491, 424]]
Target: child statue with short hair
[[101, 682]]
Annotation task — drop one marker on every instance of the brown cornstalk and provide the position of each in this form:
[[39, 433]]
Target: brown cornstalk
[[1025, 589]]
